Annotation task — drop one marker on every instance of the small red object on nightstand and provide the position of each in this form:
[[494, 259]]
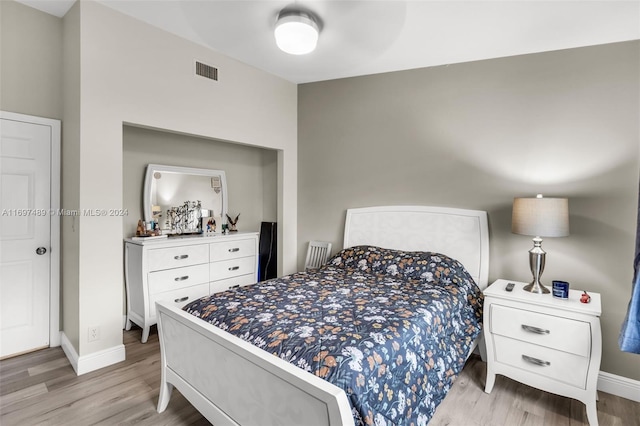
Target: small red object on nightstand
[[585, 298]]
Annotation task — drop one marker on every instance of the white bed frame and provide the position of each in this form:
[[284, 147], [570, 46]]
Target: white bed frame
[[232, 382]]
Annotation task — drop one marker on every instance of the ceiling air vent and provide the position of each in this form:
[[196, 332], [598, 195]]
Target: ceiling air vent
[[206, 71]]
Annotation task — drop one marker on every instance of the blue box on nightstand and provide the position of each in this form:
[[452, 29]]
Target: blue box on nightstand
[[560, 289]]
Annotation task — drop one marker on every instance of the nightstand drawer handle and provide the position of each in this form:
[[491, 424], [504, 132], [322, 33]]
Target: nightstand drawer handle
[[536, 361], [536, 330], [182, 256], [233, 250], [182, 299], [234, 268], [186, 277]]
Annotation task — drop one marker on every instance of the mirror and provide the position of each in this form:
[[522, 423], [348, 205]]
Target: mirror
[[184, 200]]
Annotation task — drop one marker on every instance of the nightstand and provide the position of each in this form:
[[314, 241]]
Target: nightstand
[[551, 344]]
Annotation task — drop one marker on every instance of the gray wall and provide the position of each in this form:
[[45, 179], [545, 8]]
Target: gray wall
[[475, 135], [251, 172], [31, 65]]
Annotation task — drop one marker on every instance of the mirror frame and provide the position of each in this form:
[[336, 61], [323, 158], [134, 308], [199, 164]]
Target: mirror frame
[[153, 168]]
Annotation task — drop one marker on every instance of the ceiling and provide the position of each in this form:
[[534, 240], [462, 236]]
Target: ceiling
[[369, 37]]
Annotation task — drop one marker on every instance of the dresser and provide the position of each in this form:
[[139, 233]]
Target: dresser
[[551, 344], [182, 269]]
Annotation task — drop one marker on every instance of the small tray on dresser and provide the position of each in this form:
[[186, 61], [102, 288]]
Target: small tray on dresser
[[148, 237]]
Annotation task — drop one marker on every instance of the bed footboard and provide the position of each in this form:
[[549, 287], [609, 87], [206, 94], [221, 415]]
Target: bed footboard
[[232, 382]]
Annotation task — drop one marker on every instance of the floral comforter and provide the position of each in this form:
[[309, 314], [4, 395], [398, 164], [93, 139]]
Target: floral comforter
[[391, 328]]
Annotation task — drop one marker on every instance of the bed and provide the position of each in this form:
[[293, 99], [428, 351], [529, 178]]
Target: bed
[[363, 312]]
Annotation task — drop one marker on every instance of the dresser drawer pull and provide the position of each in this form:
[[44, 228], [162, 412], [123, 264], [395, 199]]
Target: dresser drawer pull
[[234, 268], [234, 286], [180, 257], [182, 299], [536, 361], [536, 330], [186, 277], [233, 250]]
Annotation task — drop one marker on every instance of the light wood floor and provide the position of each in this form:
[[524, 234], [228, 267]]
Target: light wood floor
[[41, 388]]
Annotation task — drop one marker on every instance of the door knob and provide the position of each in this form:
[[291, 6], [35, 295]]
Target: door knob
[[41, 251]]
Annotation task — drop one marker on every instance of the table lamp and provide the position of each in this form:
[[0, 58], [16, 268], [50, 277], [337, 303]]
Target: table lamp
[[539, 217]]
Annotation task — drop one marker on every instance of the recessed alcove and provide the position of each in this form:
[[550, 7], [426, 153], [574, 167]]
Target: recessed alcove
[[251, 172]]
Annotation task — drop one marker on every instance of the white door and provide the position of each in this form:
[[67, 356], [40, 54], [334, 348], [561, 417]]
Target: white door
[[25, 236]]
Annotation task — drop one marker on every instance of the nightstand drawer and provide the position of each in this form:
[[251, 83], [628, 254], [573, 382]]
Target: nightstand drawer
[[179, 297], [225, 250], [173, 279], [233, 268], [540, 329], [561, 366], [175, 257]]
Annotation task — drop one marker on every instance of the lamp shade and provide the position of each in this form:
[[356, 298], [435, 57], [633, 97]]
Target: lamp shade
[[540, 217], [296, 33]]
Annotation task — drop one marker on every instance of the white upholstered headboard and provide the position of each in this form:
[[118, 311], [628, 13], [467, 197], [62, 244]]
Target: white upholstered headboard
[[458, 233]]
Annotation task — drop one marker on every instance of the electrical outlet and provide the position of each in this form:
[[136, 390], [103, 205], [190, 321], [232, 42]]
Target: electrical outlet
[[94, 334]]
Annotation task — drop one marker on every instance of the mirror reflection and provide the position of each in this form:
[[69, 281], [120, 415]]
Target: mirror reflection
[[182, 200]]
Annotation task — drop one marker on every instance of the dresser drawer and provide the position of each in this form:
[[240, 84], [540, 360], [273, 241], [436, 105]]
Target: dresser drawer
[[172, 279], [223, 285], [232, 268], [553, 332], [225, 250], [174, 257], [179, 297], [560, 366]]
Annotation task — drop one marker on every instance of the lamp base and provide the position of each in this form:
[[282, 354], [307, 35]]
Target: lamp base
[[535, 287], [537, 258]]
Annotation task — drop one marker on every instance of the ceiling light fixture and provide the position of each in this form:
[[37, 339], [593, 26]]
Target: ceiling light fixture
[[296, 32]]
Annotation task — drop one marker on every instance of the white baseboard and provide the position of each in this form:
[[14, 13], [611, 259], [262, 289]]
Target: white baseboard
[[619, 386], [69, 351], [94, 361]]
